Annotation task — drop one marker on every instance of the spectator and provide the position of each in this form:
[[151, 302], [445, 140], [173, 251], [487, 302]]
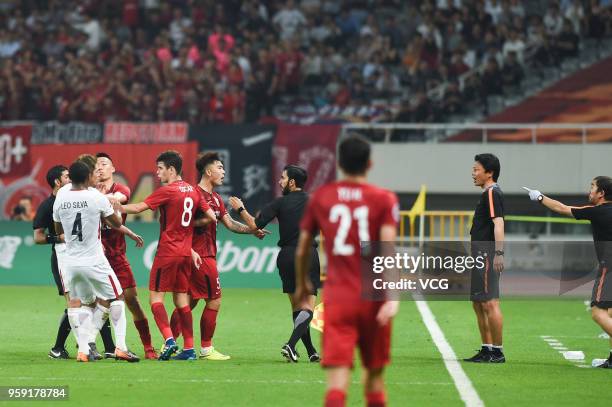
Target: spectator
[[289, 20], [492, 78], [553, 20], [512, 71], [515, 44], [567, 41], [23, 210]]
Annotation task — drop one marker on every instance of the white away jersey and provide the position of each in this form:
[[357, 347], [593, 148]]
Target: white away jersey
[[79, 212]]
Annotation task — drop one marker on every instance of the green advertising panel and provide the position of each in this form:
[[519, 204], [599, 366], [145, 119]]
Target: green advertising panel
[[243, 260]]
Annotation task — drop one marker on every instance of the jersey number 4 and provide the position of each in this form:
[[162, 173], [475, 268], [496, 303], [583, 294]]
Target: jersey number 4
[[77, 227], [342, 213]]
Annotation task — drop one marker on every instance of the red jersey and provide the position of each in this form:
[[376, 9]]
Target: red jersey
[[347, 213], [113, 240], [177, 203], [205, 238]]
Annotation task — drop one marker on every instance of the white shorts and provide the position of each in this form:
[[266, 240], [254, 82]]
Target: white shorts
[[96, 281]]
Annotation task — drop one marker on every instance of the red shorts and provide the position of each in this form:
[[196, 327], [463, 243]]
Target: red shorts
[[124, 273], [205, 280], [170, 274], [348, 325]]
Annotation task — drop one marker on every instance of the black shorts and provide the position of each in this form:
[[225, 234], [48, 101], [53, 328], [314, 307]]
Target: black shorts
[[286, 268], [601, 296], [56, 274], [484, 280]]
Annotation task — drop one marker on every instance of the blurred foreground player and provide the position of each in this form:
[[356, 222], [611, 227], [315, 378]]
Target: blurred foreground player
[[599, 213], [115, 249], [178, 202], [487, 240], [347, 212], [44, 233], [288, 209]]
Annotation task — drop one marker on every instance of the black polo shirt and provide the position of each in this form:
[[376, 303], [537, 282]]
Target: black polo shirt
[[288, 209], [490, 206], [44, 217], [601, 224]]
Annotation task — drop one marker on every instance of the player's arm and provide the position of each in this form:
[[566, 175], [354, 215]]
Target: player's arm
[[208, 218], [127, 232], [59, 230], [238, 206], [135, 208], [553, 205], [388, 233]]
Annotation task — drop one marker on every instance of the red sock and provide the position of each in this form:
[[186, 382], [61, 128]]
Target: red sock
[[143, 330], [208, 323], [187, 326], [175, 324], [161, 319], [335, 398], [376, 399]]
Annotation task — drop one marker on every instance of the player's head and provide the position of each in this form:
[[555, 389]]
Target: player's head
[[169, 165], [210, 167], [104, 167], [89, 160], [57, 177], [80, 174], [601, 190], [354, 155], [292, 178], [486, 168]]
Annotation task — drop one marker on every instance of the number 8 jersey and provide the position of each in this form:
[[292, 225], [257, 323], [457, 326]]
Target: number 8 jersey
[[347, 213], [177, 203], [80, 212]]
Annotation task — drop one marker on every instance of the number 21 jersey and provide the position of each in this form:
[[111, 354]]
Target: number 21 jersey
[[177, 203], [347, 213]]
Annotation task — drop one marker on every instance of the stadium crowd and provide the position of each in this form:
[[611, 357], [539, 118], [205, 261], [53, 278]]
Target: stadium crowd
[[234, 61]]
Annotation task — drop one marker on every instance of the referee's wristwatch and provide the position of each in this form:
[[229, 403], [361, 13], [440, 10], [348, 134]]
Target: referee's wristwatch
[[540, 198], [499, 252], [240, 209]]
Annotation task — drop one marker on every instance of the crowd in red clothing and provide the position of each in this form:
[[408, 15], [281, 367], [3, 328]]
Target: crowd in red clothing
[[234, 61]]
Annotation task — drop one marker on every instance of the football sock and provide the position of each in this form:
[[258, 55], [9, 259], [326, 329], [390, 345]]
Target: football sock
[[73, 319], [161, 319], [175, 324], [300, 325], [117, 316], [306, 339], [107, 337], [187, 326], [145, 334], [98, 319], [63, 331], [208, 323], [80, 319], [376, 399], [335, 398]]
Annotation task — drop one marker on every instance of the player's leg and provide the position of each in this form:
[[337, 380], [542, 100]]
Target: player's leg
[[58, 351], [374, 387], [181, 300], [337, 386], [161, 280], [79, 313], [495, 322], [206, 285], [302, 315], [175, 319]]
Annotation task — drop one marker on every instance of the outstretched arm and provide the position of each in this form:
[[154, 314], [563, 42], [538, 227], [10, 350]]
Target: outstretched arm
[[134, 208], [550, 203]]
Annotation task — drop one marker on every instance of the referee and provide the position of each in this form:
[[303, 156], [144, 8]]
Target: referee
[[44, 233], [288, 209], [599, 212], [487, 237]]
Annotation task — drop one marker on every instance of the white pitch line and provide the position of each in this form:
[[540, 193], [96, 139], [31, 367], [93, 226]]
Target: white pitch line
[[466, 389]]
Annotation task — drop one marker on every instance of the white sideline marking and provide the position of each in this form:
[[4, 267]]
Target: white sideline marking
[[466, 389], [563, 350]]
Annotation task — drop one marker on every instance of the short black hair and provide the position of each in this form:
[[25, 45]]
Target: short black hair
[[205, 159], [354, 154], [297, 174], [490, 163], [87, 159], [604, 184], [171, 158], [102, 154], [79, 172], [55, 173]]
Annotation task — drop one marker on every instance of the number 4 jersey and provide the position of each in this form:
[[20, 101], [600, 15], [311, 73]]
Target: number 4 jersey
[[177, 203], [79, 213], [347, 213]]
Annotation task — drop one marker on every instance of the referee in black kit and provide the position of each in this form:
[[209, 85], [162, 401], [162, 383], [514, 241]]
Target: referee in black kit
[[288, 209], [487, 239], [44, 233], [599, 212]]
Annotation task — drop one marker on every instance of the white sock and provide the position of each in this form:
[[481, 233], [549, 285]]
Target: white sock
[[117, 315], [73, 320], [98, 319], [85, 322], [500, 347]]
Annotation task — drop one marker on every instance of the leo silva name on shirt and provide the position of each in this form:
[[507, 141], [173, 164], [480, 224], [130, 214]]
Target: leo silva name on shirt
[[74, 205]]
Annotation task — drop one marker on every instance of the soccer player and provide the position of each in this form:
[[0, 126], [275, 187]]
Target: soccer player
[[347, 212], [205, 283], [44, 233], [288, 209], [599, 213], [487, 237], [114, 249], [178, 202], [93, 284]]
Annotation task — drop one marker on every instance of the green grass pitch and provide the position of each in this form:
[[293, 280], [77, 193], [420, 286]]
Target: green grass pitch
[[254, 323]]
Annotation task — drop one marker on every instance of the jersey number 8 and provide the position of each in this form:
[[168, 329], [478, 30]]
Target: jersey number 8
[[187, 212]]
